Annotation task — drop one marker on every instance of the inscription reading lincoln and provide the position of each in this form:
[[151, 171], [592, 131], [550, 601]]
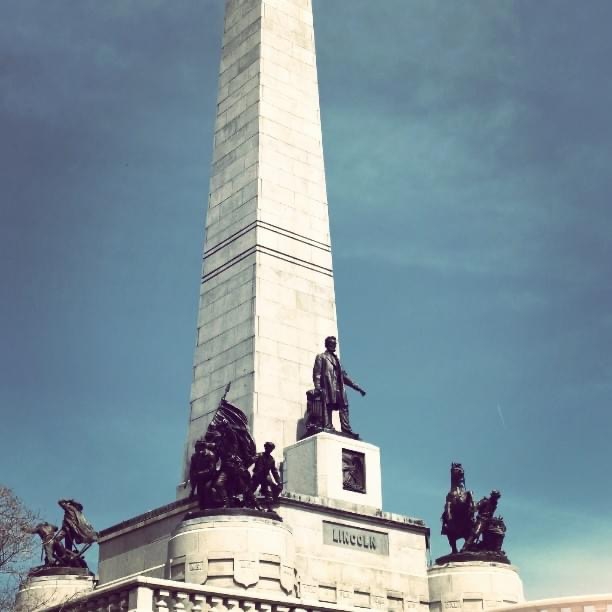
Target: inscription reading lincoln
[[355, 538]]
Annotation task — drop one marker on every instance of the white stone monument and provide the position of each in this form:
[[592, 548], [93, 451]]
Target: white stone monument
[[267, 303]]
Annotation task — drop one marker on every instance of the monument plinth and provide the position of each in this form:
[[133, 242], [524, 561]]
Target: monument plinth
[[334, 467], [473, 585], [53, 586], [237, 550]]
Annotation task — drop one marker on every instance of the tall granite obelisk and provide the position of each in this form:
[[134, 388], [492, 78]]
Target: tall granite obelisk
[[267, 294]]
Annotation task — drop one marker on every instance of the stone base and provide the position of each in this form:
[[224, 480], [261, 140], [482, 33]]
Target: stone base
[[236, 548], [473, 585], [345, 554], [313, 430], [52, 586], [474, 555], [45, 570], [195, 514], [316, 466]]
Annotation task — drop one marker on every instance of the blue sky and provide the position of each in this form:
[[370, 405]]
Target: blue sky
[[468, 154]]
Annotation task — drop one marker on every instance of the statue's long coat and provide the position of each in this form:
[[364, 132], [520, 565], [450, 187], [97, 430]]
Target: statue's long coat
[[329, 376]]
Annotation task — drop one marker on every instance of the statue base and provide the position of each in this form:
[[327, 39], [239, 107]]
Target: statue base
[[473, 585], [196, 514], [313, 430], [334, 467], [233, 548], [474, 555], [46, 570], [52, 586]]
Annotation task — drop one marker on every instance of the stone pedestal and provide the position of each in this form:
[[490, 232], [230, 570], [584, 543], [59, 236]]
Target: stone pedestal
[[236, 548], [474, 585], [343, 554], [52, 587], [334, 467]]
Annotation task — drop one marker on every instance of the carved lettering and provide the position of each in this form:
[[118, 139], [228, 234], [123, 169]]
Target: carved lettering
[[355, 538]]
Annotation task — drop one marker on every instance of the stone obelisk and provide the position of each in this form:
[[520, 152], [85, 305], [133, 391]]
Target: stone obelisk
[[267, 294]]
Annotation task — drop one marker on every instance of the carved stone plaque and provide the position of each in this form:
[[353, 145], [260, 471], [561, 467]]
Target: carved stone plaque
[[355, 538], [246, 569], [353, 471], [287, 578], [196, 568]]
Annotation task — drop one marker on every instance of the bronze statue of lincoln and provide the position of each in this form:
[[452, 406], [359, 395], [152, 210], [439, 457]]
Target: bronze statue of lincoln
[[330, 380]]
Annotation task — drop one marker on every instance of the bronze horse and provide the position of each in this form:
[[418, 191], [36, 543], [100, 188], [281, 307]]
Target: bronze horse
[[458, 515]]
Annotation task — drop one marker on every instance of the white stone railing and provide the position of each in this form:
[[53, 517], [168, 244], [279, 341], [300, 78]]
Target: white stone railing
[[580, 603], [141, 594]]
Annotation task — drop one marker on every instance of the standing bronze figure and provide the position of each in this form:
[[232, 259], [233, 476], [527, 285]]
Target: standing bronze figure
[[265, 478], [75, 529], [457, 517], [53, 551], [330, 381], [203, 469]]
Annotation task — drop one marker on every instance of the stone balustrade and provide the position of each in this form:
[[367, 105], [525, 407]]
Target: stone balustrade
[[141, 594], [580, 603]]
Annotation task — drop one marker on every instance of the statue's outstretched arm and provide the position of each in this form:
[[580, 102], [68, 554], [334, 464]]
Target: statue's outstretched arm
[[350, 383]]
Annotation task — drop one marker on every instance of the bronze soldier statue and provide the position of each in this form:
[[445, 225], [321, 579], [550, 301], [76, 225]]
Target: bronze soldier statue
[[75, 528], [265, 477], [234, 478], [53, 551], [203, 470], [330, 380], [485, 510]]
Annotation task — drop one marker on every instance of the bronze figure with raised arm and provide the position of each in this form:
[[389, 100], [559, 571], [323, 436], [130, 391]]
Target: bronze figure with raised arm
[[330, 381]]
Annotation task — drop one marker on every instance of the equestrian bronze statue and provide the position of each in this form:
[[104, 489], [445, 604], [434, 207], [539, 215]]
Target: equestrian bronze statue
[[475, 523], [458, 516]]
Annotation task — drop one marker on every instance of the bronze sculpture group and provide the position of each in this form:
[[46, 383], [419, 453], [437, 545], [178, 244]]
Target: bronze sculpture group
[[60, 544], [219, 468], [475, 523]]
